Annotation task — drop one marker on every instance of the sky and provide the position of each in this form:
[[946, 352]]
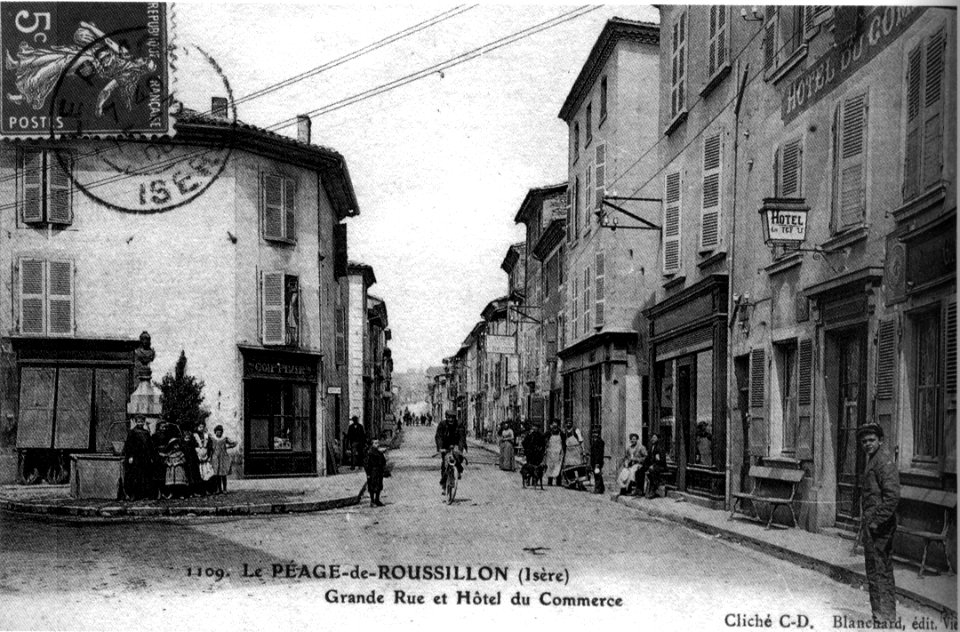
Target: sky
[[441, 165]]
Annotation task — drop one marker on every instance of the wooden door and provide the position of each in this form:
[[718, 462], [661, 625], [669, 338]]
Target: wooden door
[[850, 413]]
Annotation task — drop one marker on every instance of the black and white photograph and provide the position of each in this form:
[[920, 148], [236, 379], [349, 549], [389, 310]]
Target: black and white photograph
[[485, 316]]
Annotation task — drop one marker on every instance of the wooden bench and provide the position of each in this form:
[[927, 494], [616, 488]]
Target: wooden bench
[[939, 498], [768, 486]]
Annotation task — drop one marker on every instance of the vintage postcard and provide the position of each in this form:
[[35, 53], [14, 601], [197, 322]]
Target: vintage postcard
[[432, 316]]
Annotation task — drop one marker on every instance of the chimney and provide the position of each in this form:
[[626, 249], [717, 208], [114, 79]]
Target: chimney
[[218, 107], [303, 128]]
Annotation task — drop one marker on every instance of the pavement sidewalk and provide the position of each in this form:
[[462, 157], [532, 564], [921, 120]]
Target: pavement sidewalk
[[244, 497], [826, 553]]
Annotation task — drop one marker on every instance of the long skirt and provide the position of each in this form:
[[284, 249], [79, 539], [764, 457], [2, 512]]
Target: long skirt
[[627, 475], [507, 456], [554, 456]]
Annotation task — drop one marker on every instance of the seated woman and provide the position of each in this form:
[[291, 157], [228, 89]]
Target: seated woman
[[633, 458]]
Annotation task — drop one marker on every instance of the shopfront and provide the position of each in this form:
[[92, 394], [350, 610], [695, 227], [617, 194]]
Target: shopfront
[[688, 341], [280, 422]]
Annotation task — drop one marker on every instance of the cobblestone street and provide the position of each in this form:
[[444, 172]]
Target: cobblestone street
[[115, 575]]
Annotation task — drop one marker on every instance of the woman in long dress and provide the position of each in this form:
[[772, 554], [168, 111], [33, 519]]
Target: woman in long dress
[[572, 446], [507, 441], [554, 455]]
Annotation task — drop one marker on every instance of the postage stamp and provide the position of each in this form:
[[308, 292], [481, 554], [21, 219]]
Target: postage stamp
[[85, 67]]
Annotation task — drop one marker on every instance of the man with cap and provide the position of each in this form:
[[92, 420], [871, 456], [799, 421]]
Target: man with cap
[[880, 489], [357, 440]]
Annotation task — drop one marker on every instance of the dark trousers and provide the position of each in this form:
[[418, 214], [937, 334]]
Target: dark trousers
[[598, 486], [357, 454], [877, 553]]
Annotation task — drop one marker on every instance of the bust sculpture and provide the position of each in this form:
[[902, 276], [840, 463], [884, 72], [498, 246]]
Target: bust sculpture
[[142, 357]]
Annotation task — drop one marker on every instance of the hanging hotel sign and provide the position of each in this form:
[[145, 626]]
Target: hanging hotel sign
[[500, 344], [881, 26], [784, 220]]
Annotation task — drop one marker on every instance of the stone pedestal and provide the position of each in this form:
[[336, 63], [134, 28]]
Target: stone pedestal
[[145, 401]]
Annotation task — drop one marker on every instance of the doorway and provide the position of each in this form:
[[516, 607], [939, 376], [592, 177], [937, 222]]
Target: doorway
[[850, 412]]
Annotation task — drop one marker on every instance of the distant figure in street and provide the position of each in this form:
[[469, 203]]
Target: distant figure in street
[[554, 453], [572, 446], [507, 445], [374, 465], [880, 483], [596, 460], [139, 461], [220, 458], [447, 438], [534, 446], [652, 469], [357, 440], [634, 456]]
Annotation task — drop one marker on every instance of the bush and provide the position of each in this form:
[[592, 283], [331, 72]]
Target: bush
[[181, 398]]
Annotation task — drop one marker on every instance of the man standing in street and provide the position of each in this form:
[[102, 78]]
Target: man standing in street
[[357, 440], [880, 485], [596, 460], [374, 465], [139, 462]]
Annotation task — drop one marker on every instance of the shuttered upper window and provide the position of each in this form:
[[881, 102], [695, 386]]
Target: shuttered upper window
[[788, 169], [46, 297], [678, 65], [576, 140], [44, 189], [923, 151], [712, 191], [279, 207], [599, 180], [599, 317], [783, 34], [671, 223], [717, 49], [850, 162], [587, 195], [280, 308]]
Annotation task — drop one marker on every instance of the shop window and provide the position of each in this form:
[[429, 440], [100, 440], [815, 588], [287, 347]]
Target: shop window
[[280, 416], [850, 162], [927, 386], [703, 430], [923, 151], [664, 401], [782, 35], [786, 358], [46, 293], [678, 65], [45, 193], [279, 207], [280, 298]]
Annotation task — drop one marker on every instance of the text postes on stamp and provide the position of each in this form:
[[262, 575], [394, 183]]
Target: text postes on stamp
[[91, 68]]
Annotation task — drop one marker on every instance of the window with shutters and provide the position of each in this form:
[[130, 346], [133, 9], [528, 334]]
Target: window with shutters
[[788, 169], [603, 99], [923, 145], [560, 266], [813, 17], [587, 302], [850, 162], [599, 180], [712, 192], [786, 355], [46, 297], [718, 46], [678, 65], [280, 311], [588, 123], [576, 141], [599, 291], [671, 223], [44, 186], [758, 438], [927, 386], [574, 309], [279, 194], [587, 197], [340, 315], [576, 208], [783, 38]]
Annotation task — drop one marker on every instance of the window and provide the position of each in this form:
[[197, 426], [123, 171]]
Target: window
[[927, 396], [599, 180], [340, 315], [46, 297], [678, 66], [712, 191], [280, 416], [603, 98], [587, 191], [560, 265], [44, 191], [576, 141], [788, 169], [587, 304], [280, 297], [567, 398], [850, 159], [923, 151], [596, 397], [574, 313], [782, 35], [576, 207], [589, 125], [598, 290], [671, 223], [279, 208], [718, 54], [787, 376]]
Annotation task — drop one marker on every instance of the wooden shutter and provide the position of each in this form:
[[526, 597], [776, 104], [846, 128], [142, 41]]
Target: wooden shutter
[[950, 339], [805, 400], [289, 208], [913, 144], [599, 291], [339, 250], [712, 191], [717, 47], [758, 421], [587, 303], [59, 201], [273, 316], [599, 180], [35, 418], [576, 207], [571, 193], [851, 160], [886, 358], [74, 401], [32, 282], [933, 109], [31, 169], [770, 37], [587, 195], [789, 168], [671, 223], [273, 207], [60, 297], [575, 313]]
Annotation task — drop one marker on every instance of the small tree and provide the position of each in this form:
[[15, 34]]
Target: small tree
[[181, 398]]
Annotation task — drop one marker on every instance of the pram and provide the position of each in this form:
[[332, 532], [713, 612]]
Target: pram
[[576, 477]]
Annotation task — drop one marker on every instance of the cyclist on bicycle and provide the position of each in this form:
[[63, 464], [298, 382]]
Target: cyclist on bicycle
[[447, 439]]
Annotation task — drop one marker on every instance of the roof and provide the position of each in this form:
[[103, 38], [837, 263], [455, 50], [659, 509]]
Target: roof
[[513, 255], [550, 238], [535, 197], [362, 269], [192, 126], [615, 30]]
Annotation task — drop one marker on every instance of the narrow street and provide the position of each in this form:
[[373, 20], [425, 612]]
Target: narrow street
[[123, 574]]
